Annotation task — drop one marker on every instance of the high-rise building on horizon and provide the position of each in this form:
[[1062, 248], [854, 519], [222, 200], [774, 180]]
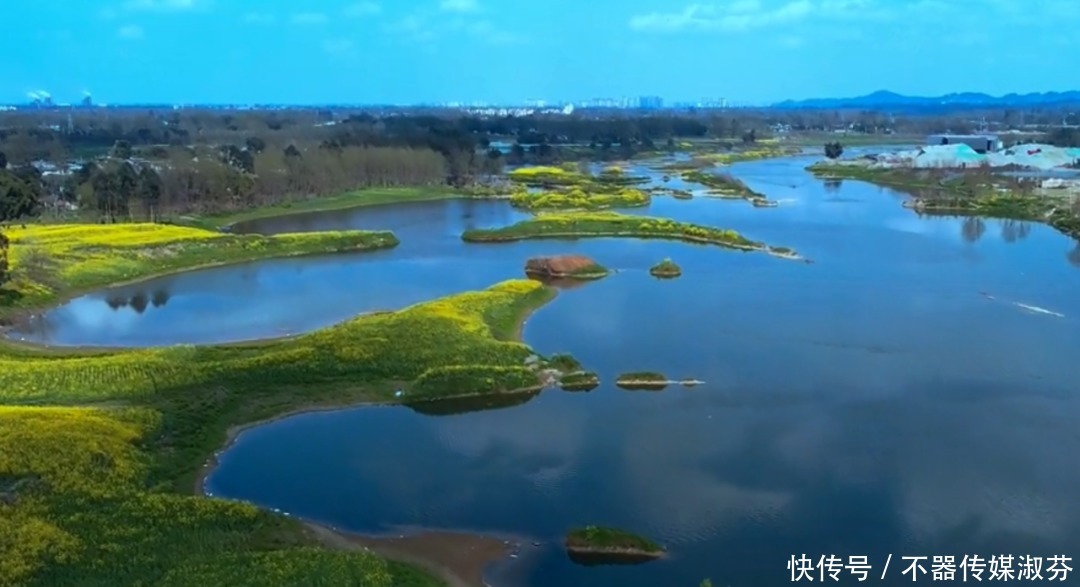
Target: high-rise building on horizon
[[650, 102]]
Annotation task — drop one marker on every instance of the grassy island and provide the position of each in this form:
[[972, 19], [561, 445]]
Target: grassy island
[[642, 380], [612, 224], [611, 544], [571, 175], [565, 267], [579, 199], [50, 262], [100, 450], [964, 192], [665, 269], [728, 187], [703, 160]]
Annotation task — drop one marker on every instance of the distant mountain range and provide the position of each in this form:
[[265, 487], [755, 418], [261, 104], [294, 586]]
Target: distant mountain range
[[884, 100]]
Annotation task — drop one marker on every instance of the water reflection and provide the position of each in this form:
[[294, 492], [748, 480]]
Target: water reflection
[[972, 228], [466, 405], [1014, 230], [138, 301], [1074, 256]]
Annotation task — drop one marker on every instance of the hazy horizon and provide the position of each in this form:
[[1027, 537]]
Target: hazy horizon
[[437, 51]]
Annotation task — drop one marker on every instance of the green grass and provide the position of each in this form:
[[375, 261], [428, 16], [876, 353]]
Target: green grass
[[603, 538], [579, 381], [353, 199], [665, 268], [99, 450], [612, 224], [579, 199]]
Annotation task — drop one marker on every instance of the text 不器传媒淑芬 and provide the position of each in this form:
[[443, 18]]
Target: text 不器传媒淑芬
[[998, 567]]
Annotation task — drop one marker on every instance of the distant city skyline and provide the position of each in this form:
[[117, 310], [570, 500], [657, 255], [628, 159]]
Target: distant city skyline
[[751, 52]]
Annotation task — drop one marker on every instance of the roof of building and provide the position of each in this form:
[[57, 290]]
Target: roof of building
[[977, 136]]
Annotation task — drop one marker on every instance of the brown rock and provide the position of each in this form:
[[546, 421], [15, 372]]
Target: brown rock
[[562, 266]]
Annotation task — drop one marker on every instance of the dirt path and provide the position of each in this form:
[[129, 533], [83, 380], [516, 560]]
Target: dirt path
[[459, 559]]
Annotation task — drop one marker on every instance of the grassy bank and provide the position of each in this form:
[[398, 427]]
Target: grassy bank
[[51, 262], [818, 139], [756, 152], [612, 224], [965, 192], [353, 199], [99, 450]]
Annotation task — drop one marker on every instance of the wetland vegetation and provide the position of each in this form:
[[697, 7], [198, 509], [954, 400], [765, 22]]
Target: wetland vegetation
[[665, 269], [613, 224], [579, 381], [617, 545], [727, 186], [961, 192]]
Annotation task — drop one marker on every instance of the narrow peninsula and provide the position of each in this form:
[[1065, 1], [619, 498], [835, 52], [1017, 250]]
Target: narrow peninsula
[[614, 224], [66, 259], [600, 545]]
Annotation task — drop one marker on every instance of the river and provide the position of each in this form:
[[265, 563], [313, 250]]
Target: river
[[902, 395]]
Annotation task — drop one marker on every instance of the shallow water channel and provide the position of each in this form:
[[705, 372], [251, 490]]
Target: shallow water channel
[[911, 392]]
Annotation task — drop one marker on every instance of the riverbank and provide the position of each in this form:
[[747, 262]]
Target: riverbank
[[613, 224], [347, 200], [51, 263], [965, 192], [105, 472]]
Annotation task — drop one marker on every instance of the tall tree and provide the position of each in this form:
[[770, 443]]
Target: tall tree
[[149, 190], [18, 199]]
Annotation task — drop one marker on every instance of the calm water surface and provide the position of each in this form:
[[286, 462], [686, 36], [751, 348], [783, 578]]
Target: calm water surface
[[891, 397], [873, 402]]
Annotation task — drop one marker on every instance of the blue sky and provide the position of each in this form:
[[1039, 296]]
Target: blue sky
[[409, 51]]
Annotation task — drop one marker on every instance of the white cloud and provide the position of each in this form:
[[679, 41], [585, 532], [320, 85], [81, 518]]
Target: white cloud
[[486, 31], [130, 32], [414, 27], [736, 16], [164, 5], [259, 18], [426, 26], [339, 46], [309, 18], [459, 5], [361, 9]]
